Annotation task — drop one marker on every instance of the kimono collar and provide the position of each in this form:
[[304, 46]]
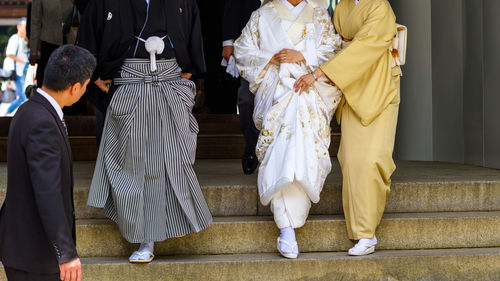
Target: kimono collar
[[285, 13], [314, 3], [296, 10]]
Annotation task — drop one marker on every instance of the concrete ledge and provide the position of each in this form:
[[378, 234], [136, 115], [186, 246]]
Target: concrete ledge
[[243, 200], [241, 235], [417, 187], [442, 265]]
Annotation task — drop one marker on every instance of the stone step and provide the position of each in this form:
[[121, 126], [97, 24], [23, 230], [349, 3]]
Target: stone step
[[406, 265], [416, 187], [242, 235]]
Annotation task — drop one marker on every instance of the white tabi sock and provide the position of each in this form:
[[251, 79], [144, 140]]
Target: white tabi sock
[[288, 234], [371, 242], [144, 248], [147, 246]]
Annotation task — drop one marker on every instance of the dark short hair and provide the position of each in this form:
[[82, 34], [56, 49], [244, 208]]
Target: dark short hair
[[67, 66]]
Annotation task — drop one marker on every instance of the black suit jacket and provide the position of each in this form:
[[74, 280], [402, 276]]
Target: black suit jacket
[[236, 15], [37, 223]]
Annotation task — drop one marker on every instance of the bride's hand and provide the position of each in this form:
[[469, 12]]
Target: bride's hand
[[290, 56]]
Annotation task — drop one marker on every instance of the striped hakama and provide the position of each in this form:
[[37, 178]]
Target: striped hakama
[[144, 177]]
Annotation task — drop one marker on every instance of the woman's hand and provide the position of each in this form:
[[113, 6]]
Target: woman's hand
[[290, 56], [304, 83], [103, 84]]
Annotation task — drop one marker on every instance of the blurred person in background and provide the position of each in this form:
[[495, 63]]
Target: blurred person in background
[[46, 31], [17, 53]]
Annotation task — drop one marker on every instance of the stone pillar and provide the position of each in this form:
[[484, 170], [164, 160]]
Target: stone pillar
[[414, 133], [447, 80], [473, 84], [491, 22]]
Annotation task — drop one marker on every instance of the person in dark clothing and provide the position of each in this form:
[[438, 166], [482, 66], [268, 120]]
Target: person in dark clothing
[[37, 219], [28, 19], [144, 178], [236, 15], [46, 31], [111, 42], [220, 87], [81, 5]]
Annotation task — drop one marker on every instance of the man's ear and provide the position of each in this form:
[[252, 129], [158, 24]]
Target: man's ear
[[75, 89]]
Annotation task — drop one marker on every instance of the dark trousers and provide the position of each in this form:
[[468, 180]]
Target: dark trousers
[[46, 50], [245, 106], [221, 91], [19, 275]]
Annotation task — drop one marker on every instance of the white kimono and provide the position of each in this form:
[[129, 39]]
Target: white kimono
[[294, 130]]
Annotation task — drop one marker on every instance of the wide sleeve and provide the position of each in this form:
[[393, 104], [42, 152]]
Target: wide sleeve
[[44, 163], [232, 14], [326, 43], [369, 44], [35, 26], [81, 5], [329, 43], [91, 27], [251, 60], [90, 33], [195, 47]]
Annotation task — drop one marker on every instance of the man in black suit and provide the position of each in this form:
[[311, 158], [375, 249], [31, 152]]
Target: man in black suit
[[37, 219], [236, 15]]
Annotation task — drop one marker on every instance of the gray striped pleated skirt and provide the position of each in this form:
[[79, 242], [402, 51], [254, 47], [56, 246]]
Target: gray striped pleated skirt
[[144, 177]]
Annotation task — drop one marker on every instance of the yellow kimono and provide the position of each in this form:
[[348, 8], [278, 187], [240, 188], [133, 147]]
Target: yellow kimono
[[369, 111]]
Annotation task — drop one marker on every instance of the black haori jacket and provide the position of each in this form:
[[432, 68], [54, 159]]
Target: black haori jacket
[[109, 27]]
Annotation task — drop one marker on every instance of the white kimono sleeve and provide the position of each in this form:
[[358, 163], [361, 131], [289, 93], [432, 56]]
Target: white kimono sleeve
[[251, 60]]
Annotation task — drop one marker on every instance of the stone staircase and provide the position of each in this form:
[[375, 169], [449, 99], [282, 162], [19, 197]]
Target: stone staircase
[[442, 222]]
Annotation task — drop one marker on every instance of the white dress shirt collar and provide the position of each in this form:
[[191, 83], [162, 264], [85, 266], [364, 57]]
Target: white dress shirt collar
[[52, 101], [296, 10]]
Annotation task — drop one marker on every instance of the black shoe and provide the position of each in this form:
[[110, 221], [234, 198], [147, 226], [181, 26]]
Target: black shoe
[[249, 164]]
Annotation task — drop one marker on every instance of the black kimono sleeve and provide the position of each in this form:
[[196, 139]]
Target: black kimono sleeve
[[195, 44], [91, 28], [89, 37], [230, 23], [81, 5]]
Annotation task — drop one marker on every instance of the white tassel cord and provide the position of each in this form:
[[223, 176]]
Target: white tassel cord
[[154, 45]]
